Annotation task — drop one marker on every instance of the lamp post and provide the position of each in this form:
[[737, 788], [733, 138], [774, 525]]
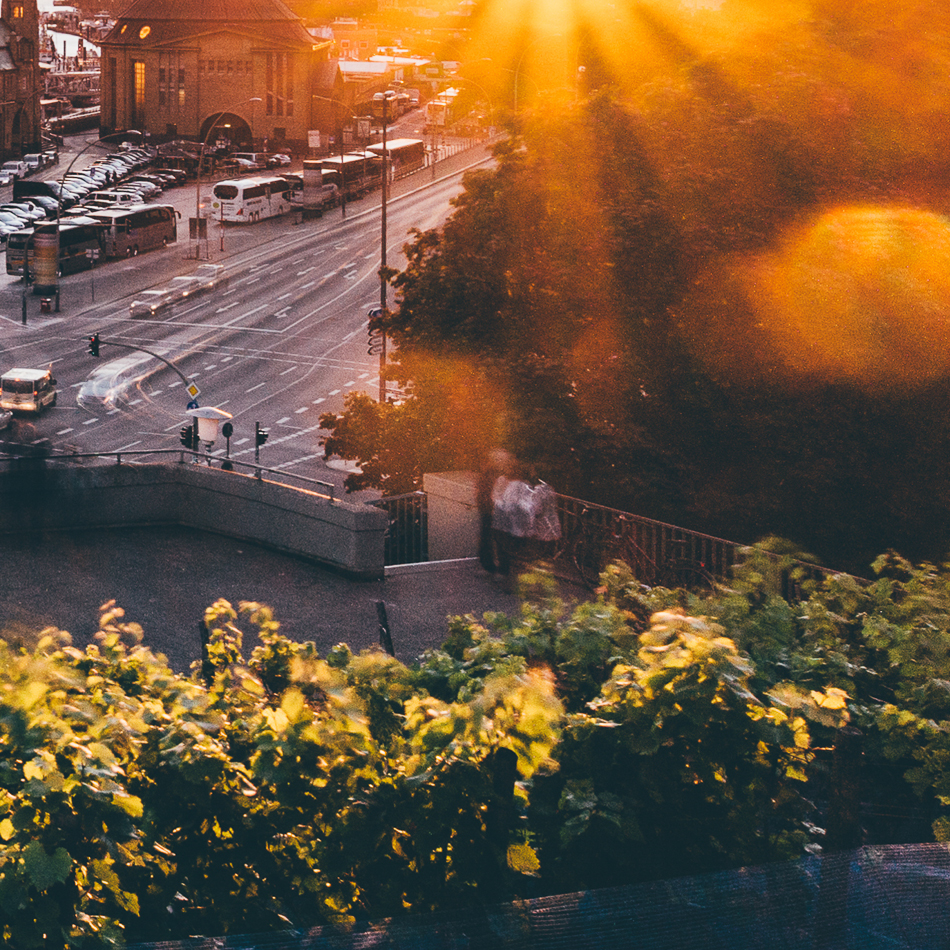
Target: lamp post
[[521, 60], [201, 161], [384, 98], [51, 261], [335, 103]]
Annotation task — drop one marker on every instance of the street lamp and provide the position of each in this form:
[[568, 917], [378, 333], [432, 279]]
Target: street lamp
[[201, 161], [384, 98], [521, 60], [352, 115], [46, 264]]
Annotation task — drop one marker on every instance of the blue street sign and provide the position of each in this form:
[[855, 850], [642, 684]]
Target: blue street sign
[[193, 404]]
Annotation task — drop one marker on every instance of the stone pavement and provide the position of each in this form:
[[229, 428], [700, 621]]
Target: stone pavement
[[165, 577]]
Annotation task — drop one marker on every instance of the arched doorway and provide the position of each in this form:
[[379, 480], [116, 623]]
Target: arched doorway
[[226, 127]]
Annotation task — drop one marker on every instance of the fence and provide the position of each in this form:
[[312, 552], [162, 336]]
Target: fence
[[592, 536], [890, 896]]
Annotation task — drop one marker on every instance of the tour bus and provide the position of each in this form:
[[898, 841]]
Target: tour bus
[[127, 231], [27, 390], [244, 200], [359, 171], [405, 155], [76, 236]]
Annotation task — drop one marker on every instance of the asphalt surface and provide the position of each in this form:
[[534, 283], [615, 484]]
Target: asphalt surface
[[164, 578]]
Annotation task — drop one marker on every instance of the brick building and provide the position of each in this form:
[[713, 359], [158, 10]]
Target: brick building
[[20, 123], [194, 70]]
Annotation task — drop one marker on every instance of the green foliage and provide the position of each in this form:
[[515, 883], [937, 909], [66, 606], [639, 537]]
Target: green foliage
[[557, 749]]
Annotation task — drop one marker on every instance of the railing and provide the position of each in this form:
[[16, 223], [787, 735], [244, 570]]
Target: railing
[[592, 536], [185, 456], [407, 540]]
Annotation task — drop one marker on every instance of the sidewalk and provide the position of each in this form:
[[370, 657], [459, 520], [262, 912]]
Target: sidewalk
[[166, 577]]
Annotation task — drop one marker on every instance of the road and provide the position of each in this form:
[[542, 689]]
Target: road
[[284, 342]]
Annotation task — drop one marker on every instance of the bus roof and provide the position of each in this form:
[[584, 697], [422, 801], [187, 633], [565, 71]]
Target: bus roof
[[30, 375], [393, 145]]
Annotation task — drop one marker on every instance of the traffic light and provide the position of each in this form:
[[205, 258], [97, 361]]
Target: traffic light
[[187, 436], [260, 435], [94, 345]]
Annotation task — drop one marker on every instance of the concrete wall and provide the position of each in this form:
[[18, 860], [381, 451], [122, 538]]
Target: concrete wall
[[453, 515], [50, 495]]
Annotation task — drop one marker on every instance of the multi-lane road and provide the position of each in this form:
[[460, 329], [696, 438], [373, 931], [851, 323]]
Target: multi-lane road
[[283, 342]]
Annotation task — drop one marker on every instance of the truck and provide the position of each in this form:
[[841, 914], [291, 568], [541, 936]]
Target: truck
[[15, 168]]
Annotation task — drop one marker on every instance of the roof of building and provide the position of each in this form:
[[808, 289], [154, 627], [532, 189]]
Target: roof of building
[[169, 21]]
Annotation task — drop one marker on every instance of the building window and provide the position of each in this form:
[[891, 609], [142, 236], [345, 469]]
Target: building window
[[17, 11], [181, 88], [138, 92], [279, 84], [162, 86]]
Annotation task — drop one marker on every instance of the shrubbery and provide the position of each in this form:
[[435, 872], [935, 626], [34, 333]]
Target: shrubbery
[[644, 734]]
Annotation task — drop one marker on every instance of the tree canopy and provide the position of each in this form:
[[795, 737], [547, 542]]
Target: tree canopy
[[714, 298]]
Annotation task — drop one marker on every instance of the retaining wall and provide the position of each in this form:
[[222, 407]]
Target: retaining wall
[[48, 495]]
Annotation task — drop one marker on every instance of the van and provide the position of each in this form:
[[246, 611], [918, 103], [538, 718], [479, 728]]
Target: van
[[115, 197], [260, 159], [16, 169], [34, 161], [27, 390]]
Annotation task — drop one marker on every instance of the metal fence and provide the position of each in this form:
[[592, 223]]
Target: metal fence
[[407, 540], [593, 536]]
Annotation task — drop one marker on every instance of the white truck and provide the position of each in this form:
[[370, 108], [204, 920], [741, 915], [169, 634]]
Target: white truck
[[15, 169]]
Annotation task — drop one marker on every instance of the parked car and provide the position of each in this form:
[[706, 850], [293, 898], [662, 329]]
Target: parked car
[[280, 160]]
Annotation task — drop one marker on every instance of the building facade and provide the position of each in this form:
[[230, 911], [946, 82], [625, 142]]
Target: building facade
[[242, 70], [20, 117]]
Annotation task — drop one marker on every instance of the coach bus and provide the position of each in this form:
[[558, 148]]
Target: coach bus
[[78, 235], [359, 171], [244, 200], [127, 231], [404, 155]]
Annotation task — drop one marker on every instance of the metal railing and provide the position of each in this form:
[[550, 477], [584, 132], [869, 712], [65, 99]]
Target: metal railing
[[407, 539], [185, 456], [592, 536]]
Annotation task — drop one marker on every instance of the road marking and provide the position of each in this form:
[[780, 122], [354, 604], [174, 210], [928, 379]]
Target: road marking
[[283, 296], [301, 409], [64, 431], [212, 366], [134, 402], [123, 448], [328, 276], [305, 286], [157, 392], [281, 312], [258, 386], [280, 422], [224, 359], [241, 441], [228, 307], [317, 402], [334, 392], [89, 422], [301, 273], [173, 385], [352, 382], [291, 370], [253, 280]]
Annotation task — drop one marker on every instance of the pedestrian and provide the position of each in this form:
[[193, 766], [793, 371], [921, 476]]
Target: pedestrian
[[494, 464]]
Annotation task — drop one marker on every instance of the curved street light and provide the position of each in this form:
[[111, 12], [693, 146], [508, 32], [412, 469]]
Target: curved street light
[[53, 274], [352, 115], [201, 161], [384, 98], [530, 46]]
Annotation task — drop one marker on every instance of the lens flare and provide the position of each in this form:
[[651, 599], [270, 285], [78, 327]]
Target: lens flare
[[862, 294]]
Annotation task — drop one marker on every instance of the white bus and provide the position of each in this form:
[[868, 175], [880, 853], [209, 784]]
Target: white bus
[[249, 199], [128, 230]]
